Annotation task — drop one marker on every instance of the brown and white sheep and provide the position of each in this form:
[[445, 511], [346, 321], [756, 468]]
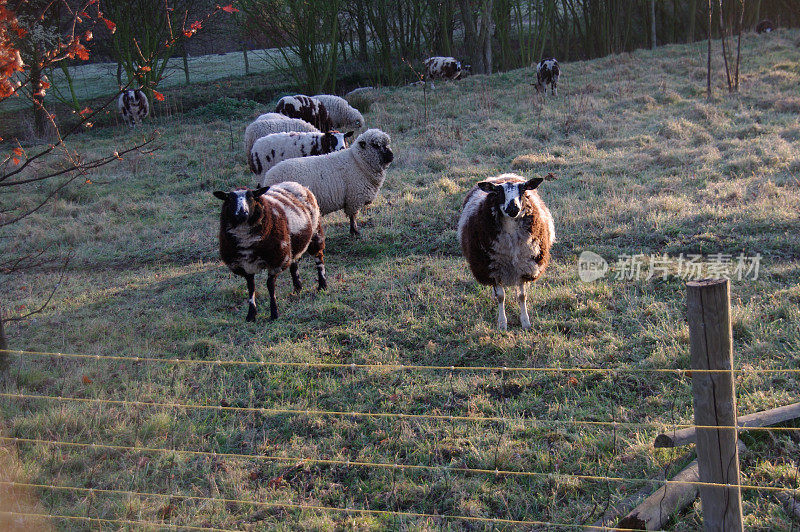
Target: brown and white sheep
[[269, 229], [305, 108], [506, 231], [547, 72]]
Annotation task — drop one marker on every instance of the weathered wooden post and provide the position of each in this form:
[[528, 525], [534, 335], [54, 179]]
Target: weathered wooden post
[[710, 339]]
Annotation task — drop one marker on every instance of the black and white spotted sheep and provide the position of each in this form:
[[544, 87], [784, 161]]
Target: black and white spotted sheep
[[305, 108], [272, 149], [506, 231], [439, 67], [133, 106], [547, 71]]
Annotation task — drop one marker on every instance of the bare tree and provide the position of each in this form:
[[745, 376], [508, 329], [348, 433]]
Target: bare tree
[[477, 18]]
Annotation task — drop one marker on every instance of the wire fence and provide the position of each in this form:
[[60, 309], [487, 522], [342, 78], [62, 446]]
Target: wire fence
[[26, 399]]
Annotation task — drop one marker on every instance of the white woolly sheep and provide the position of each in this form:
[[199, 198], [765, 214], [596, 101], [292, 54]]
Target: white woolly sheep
[[505, 231], [133, 106], [271, 116], [272, 149], [342, 115], [262, 128], [269, 229], [346, 179]]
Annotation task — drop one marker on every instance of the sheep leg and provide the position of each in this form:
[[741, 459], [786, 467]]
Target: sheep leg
[[500, 294], [251, 296], [273, 304], [555, 91], [354, 225], [298, 286], [315, 249], [524, 319]]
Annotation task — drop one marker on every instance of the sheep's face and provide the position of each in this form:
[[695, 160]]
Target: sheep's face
[[237, 204], [335, 141], [507, 197], [377, 144]]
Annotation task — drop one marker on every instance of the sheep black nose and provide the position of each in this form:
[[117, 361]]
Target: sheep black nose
[[512, 210], [388, 156]]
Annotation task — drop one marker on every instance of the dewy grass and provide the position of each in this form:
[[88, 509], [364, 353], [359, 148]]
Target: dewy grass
[[643, 164]]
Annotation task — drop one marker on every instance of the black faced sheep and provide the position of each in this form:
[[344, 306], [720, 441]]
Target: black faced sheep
[[506, 231], [343, 116], [305, 108], [269, 229], [272, 149], [347, 179], [262, 128], [547, 71], [133, 106]]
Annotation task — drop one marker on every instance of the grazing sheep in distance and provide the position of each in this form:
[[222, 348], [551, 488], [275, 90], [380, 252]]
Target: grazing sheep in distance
[[505, 231], [347, 179], [262, 128], [305, 108], [547, 71], [133, 106], [444, 68], [272, 149], [269, 229], [765, 26], [342, 115], [271, 116]]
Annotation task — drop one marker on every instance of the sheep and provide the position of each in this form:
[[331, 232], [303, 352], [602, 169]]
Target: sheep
[[547, 71], [306, 108], [133, 106], [262, 128], [343, 116], [505, 232], [347, 179], [272, 149], [765, 26], [444, 68], [269, 229], [271, 116]]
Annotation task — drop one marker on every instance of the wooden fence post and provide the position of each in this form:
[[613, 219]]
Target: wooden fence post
[[710, 339]]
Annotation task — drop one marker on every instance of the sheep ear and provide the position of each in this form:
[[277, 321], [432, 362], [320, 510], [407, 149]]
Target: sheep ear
[[221, 195], [259, 191], [532, 183], [487, 187], [348, 134]]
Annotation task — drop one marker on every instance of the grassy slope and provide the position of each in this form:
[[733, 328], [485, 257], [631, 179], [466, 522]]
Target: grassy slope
[[645, 164]]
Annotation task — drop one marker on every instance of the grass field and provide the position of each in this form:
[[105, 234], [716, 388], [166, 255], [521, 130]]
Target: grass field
[[644, 164]]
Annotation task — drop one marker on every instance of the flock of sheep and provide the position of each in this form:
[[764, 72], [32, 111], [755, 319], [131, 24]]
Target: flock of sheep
[[306, 170]]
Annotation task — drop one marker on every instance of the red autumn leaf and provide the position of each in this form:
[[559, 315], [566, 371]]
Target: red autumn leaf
[[17, 151], [572, 381], [187, 33], [88, 35], [158, 96], [86, 380], [196, 25], [84, 111], [275, 482], [145, 69], [110, 25], [45, 84], [88, 181], [15, 160], [229, 9]]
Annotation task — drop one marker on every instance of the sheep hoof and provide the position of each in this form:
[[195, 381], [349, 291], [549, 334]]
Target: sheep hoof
[[251, 316]]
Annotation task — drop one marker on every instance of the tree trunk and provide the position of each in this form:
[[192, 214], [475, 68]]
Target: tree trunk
[[361, 30], [4, 358], [652, 23], [692, 20], [40, 117], [486, 36], [119, 74], [724, 47], [708, 67], [246, 61], [186, 65]]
